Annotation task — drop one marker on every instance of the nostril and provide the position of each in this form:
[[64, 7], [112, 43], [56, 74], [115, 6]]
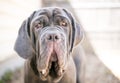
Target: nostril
[[56, 37], [49, 37], [52, 37]]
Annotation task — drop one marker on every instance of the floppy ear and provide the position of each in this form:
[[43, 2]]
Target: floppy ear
[[23, 45], [76, 34], [79, 35]]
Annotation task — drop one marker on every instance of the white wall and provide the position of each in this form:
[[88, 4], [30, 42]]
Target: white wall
[[12, 13], [101, 22]]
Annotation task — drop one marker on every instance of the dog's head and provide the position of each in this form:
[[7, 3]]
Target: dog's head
[[49, 35]]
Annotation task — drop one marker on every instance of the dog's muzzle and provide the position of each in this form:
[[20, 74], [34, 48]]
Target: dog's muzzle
[[52, 53]]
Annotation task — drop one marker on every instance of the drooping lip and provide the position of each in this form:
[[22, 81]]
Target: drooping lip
[[53, 65], [54, 61], [53, 57]]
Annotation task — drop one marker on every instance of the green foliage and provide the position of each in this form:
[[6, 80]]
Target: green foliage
[[6, 78]]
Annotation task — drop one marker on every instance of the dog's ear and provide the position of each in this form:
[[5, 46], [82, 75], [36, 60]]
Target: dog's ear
[[23, 45], [79, 35], [76, 34]]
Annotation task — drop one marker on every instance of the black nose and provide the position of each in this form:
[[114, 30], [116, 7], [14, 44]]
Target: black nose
[[53, 37]]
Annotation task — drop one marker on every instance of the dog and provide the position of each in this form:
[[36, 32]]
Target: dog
[[49, 39]]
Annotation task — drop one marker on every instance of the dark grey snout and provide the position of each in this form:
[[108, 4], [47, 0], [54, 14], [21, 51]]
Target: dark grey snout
[[53, 36]]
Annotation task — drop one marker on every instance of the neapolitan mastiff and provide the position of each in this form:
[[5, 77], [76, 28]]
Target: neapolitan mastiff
[[49, 41]]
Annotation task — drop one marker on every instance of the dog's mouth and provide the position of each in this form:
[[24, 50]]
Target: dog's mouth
[[53, 71], [53, 65]]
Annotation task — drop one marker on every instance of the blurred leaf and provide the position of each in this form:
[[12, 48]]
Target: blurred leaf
[[7, 77]]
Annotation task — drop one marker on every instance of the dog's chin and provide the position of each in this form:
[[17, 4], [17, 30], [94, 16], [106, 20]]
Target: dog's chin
[[56, 79], [53, 72], [54, 75]]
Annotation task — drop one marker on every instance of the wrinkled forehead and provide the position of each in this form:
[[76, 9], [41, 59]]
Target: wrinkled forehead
[[51, 12]]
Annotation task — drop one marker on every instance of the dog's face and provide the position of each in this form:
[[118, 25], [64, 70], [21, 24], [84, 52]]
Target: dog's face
[[51, 28], [49, 34]]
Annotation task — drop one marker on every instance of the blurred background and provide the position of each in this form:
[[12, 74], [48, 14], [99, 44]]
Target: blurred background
[[100, 20]]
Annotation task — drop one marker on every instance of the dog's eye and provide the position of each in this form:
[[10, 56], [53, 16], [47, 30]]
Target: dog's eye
[[39, 25], [63, 23]]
